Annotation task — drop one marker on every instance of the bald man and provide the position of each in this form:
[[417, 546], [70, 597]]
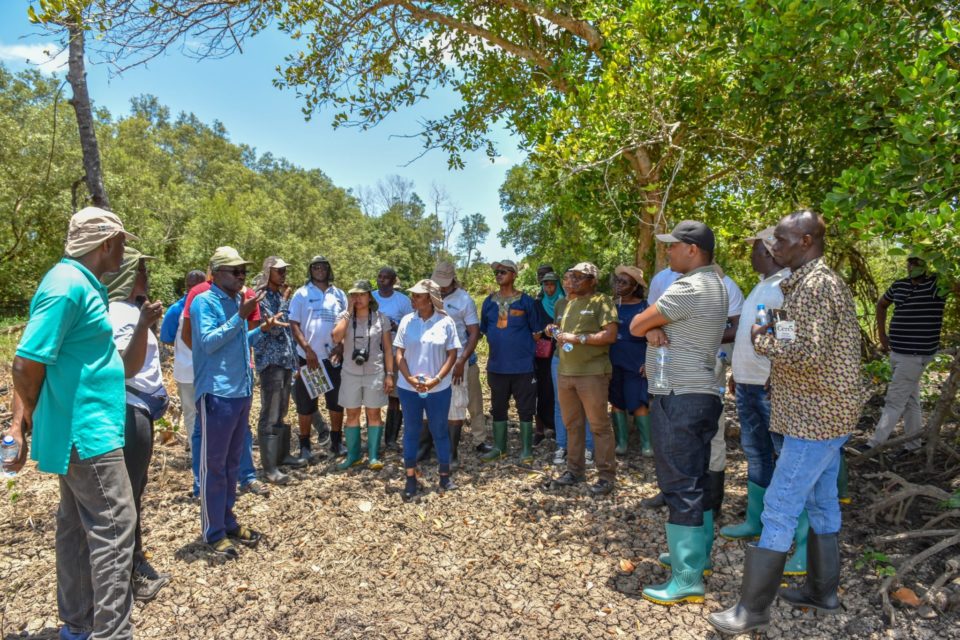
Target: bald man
[[814, 351]]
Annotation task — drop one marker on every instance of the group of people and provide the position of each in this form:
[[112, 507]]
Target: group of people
[[584, 364]]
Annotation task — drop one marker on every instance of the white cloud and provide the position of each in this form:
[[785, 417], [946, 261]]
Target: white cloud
[[48, 57]]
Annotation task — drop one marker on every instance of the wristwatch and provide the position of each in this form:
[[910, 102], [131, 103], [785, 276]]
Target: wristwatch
[[582, 338]]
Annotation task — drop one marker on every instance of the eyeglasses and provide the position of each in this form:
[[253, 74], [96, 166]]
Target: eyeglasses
[[623, 281], [319, 265], [236, 271], [500, 272]]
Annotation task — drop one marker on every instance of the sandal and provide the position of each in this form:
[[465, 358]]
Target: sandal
[[223, 547], [246, 536]]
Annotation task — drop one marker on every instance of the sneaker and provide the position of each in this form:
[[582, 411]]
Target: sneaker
[[565, 480], [224, 547], [560, 456], [858, 448], [243, 535], [257, 488], [655, 502], [147, 582], [601, 487], [589, 458]]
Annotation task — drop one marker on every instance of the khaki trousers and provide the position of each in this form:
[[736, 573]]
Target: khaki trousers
[[582, 399], [475, 404]]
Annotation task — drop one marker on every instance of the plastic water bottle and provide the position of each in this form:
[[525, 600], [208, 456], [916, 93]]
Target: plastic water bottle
[[9, 450], [718, 372], [421, 379], [567, 347], [763, 317], [661, 381]]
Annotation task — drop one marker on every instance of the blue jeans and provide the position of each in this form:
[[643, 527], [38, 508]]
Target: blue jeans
[[681, 430], [560, 428], [437, 406], [247, 472], [805, 477], [223, 422], [753, 407]]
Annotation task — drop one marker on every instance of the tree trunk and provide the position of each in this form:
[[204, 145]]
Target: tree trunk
[[948, 392], [649, 255], [77, 77]]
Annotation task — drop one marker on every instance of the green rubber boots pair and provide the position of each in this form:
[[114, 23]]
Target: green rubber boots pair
[[690, 549], [499, 450], [621, 432], [355, 451]]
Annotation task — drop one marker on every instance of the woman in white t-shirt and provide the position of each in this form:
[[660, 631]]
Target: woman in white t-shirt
[[427, 345], [367, 377]]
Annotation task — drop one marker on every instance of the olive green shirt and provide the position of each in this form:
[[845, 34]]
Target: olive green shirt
[[587, 315]]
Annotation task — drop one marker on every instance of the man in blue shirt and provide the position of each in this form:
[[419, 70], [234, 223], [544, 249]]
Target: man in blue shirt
[[510, 319], [224, 386], [68, 383]]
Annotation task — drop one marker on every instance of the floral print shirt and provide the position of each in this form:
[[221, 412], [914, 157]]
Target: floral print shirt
[[816, 388], [276, 347]]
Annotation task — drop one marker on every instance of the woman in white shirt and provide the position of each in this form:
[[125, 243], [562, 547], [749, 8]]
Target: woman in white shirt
[[426, 345], [367, 377]]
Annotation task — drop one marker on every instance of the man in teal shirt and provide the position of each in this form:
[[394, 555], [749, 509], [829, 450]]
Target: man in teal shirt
[[69, 394]]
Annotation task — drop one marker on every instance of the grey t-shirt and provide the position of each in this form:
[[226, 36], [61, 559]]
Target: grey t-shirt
[[696, 306], [373, 326]]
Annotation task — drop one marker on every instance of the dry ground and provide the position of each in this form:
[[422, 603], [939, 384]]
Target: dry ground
[[499, 558]]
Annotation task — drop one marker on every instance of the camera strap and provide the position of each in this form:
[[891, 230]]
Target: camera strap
[[369, 326]]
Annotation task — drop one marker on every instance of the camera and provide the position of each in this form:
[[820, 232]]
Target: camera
[[360, 356]]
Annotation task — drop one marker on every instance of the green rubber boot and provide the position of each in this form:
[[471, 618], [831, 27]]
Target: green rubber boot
[[751, 527], [373, 447], [797, 563], [621, 432], [354, 455], [642, 423], [499, 443], [687, 548], [526, 443], [708, 537], [842, 480]]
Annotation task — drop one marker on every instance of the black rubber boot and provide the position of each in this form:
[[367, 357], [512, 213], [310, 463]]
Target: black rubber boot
[[269, 439], [455, 432], [283, 455], [426, 444], [391, 428], [655, 502], [716, 491], [761, 577], [823, 575], [336, 444]]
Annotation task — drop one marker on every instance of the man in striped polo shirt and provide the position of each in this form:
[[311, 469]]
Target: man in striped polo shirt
[[912, 341], [688, 320]]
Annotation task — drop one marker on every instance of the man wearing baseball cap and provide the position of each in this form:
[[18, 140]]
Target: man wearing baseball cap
[[684, 330], [224, 384], [510, 319], [69, 397], [585, 329]]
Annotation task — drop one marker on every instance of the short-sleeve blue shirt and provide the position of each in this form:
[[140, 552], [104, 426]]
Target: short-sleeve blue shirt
[[82, 401]]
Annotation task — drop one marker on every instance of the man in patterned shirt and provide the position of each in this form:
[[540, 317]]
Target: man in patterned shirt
[[816, 397]]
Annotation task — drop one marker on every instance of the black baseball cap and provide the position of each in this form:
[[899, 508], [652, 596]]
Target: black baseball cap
[[691, 232]]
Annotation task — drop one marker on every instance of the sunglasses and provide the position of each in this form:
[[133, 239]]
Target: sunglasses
[[236, 271], [319, 265], [500, 272], [282, 270]]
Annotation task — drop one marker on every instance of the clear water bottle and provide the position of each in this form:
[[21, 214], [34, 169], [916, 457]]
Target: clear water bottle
[[567, 347], [9, 450], [661, 382], [719, 370], [421, 379], [763, 317]]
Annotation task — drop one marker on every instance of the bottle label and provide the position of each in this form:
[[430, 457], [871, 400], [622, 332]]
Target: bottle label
[[786, 330]]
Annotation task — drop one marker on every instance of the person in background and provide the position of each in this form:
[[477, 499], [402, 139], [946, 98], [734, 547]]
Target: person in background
[[182, 357], [276, 362], [132, 318], [313, 312], [395, 305], [247, 476], [688, 320], [588, 324], [427, 347], [460, 307], [69, 399], [511, 321], [913, 341], [560, 455], [750, 382], [368, 375], [816, 399], [550, 292], [628, 385]]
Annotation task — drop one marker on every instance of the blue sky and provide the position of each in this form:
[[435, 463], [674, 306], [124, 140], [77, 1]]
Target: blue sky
[[238, 92]]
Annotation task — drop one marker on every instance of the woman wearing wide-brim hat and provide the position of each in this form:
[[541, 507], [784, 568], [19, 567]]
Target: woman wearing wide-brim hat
[[628, 383], [367, 377], [426, 345]]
